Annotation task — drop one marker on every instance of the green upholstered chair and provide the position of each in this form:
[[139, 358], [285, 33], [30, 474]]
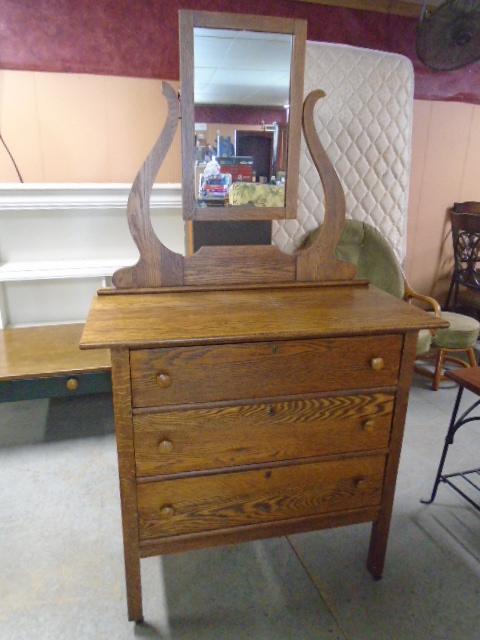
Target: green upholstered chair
[[376, 262]]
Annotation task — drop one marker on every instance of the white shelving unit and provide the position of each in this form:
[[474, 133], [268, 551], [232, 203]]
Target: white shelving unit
[[60, 242], [55, 270]]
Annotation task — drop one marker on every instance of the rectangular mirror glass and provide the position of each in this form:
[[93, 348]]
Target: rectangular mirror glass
[[241, 103], [238, 150]]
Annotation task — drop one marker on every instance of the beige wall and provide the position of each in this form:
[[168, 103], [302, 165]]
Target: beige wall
[[81, 128], [86, 128], [445, 169]]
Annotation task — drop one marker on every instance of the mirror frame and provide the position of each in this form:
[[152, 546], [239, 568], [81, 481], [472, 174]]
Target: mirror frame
[[188, 20]]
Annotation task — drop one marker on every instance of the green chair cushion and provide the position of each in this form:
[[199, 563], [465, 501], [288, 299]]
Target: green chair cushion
[[375, 260], [424, 342], [365, 247], [461, 334]]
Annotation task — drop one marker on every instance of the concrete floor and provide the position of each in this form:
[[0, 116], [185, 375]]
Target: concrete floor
[[61, 565]]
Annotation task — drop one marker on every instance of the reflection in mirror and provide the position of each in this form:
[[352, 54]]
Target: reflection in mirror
[[241, 111]]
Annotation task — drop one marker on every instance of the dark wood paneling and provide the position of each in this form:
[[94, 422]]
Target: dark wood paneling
[[231, 233]]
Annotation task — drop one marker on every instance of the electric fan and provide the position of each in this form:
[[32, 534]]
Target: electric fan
[[448, 37]]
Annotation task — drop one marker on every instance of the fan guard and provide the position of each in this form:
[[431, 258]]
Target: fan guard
[[449, 36]]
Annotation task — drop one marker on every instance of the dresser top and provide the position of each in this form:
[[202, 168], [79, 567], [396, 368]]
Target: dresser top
[[194, 317]]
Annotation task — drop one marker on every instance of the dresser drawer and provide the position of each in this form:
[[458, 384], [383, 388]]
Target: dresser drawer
[[196, 439], [189, 505], [182, 375]]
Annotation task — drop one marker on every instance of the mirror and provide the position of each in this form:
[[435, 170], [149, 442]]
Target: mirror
[[242, 85]]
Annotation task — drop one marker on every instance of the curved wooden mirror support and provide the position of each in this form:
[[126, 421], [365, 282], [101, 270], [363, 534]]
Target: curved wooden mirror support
[[158, 267], [317, 261]]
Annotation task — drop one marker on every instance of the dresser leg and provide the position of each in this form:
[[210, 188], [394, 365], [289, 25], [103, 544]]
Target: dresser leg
[[381, 526], [134, 586], [378, 547], [122, 394]]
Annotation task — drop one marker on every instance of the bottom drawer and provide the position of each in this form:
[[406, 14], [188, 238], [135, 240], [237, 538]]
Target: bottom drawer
[[189, 505]]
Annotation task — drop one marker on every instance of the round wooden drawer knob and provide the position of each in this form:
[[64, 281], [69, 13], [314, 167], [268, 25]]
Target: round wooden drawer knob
[[167, 511], [164, 380], [165, 446], [72, 384], [377, 364], [360, 483], [368, 425]]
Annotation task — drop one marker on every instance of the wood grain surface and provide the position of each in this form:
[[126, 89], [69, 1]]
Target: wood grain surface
[[297, 73], [199, 439], [126, 471], [188, 317], [238, 264], [261, 369], [212, 502], [234, 535], [41, 352], [109, 291], [318, 261], [381, 527], [157, 265]]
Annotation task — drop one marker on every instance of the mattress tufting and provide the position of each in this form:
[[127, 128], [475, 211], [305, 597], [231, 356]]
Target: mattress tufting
[[365, 124]]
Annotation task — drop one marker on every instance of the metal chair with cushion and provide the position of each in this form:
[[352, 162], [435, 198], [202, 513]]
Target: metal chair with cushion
[[376, 262]]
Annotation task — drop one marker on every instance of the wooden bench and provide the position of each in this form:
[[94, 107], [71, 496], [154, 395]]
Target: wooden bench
[[46, 362]]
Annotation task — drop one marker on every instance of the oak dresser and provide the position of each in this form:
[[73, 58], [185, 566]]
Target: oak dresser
[[244, 414]]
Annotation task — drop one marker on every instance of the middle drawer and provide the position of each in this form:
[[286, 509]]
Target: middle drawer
[[198, 439]]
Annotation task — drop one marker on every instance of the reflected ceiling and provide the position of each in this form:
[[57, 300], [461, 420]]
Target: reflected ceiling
[[241, 67]]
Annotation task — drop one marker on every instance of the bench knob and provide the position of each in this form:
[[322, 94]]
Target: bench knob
[[72, 384]]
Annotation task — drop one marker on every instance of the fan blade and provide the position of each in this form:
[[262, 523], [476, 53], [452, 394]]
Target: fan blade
[[449, 38]]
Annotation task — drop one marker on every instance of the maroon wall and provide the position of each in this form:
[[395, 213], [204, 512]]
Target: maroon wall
[[139, 37], [239, 115]]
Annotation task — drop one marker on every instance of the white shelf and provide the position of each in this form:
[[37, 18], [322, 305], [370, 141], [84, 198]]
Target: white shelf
[[60, 242], [60, 269], [72, 197]]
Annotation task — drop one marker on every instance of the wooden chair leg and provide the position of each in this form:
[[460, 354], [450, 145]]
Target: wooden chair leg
[[472, 357], [438, 369]]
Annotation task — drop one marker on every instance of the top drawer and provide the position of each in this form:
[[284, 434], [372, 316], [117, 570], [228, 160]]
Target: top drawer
[[184, 375]]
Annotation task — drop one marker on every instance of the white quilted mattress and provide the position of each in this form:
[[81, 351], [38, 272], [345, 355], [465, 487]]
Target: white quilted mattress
[[365, 125]]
